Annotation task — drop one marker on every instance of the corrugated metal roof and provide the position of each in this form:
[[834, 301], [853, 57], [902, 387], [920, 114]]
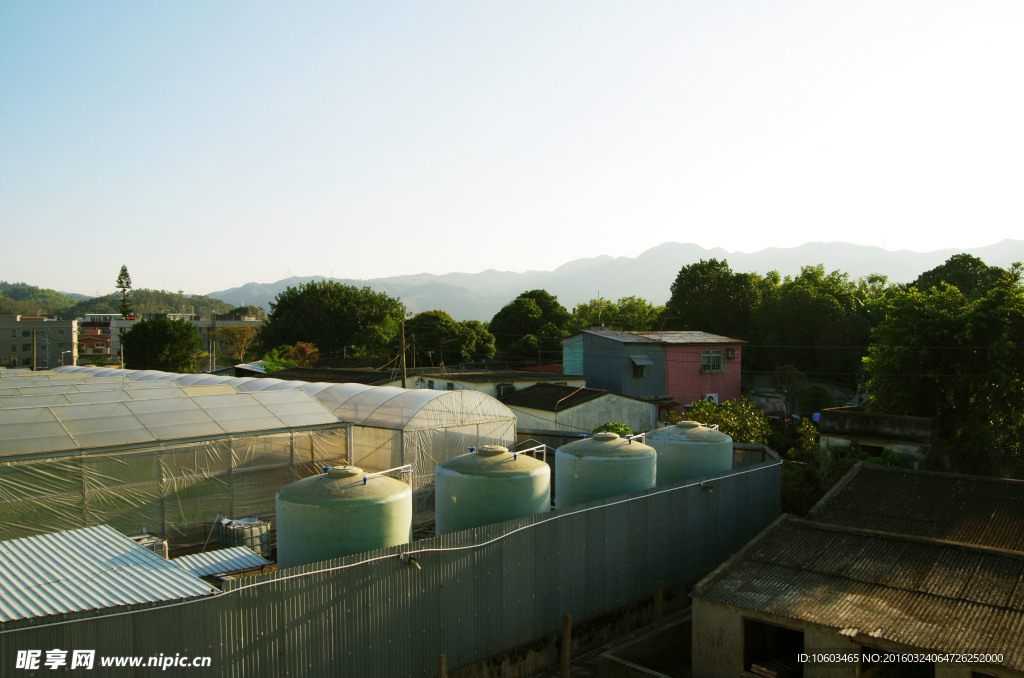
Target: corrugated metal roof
[[919, 593], [220, 561], [688, 337], [674, 337], [965, 509], [86, 569]]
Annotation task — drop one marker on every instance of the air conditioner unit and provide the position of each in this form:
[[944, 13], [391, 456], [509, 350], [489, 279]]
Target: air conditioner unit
[[710, 397]]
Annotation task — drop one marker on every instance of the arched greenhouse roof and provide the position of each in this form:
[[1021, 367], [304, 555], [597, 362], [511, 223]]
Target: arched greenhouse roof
[[388, 407], [63, 428]]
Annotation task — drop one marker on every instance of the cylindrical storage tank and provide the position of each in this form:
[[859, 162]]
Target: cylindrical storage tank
[[689, 450], [603, 466], [341, 512], [488, 486]]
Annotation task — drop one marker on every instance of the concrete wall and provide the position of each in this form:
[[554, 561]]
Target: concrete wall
[[849, 422], [718, 642], [717, 646], [441, 381]]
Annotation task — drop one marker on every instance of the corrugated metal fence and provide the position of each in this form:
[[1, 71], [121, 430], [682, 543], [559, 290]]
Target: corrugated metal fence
[[470, 595]]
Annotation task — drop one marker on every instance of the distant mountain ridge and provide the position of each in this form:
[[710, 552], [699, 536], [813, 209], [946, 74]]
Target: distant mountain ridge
[[478, 296]]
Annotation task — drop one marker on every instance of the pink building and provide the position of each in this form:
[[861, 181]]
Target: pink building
[[683, 366]]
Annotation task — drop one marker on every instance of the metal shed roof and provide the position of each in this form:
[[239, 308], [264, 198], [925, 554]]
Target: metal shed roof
[[918, 593], [965, 509], [221, 561], [86, 569]]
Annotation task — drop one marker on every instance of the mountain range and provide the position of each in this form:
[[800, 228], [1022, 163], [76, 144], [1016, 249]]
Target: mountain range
[[478, 296]]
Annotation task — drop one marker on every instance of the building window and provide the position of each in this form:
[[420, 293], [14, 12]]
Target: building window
[[711, 361], [14, 333], [770, 650], [450, 386], [430, 383], [505, 389], [42, 333], [60, 333], [60, 346], [640, 364], [26, 333], [26, 361], [26, 347]]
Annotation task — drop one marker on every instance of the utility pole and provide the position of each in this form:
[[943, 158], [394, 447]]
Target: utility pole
[[403, 355], [35, 366]]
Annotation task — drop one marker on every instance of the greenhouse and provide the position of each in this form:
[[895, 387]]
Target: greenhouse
[[394, 426], [171, 464]]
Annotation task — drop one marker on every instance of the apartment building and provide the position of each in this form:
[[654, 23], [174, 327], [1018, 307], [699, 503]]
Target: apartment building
[[38, 342]]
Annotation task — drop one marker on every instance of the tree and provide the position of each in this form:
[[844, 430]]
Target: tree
[[276, 359], [632, 314], [333, 316], [483, 347], [816, 322], [162, 344], [531, 326], [238, 339], [614, 427], [709, 297], [736, 418], [303, 354], [967, 273], [124, 286], [941, 353], [145, 301], [436, 338], [248, 312]]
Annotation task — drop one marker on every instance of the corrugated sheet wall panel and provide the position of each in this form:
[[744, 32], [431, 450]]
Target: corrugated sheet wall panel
[[475, 593]]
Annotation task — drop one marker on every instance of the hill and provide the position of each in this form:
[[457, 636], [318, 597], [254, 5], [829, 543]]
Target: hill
[[478, 296]]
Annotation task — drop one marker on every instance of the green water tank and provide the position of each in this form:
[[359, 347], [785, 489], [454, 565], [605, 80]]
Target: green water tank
[[341, 512], [689, 450], [487, 486], [603, 466]]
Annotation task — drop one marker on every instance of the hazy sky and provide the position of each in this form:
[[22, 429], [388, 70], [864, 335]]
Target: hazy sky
[[209, 144]]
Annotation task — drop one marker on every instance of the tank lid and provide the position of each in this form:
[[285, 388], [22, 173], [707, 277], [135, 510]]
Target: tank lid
[[344, 484], [493, 460], [607, 444], [344, 471], [688, 432]]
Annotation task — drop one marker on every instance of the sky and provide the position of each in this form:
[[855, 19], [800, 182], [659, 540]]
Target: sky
[[209, 144]]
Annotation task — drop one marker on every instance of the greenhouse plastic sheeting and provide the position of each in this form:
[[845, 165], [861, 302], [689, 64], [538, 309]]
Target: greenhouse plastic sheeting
[[175, 490], [110, 424], [82, 397], [396, 426]]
